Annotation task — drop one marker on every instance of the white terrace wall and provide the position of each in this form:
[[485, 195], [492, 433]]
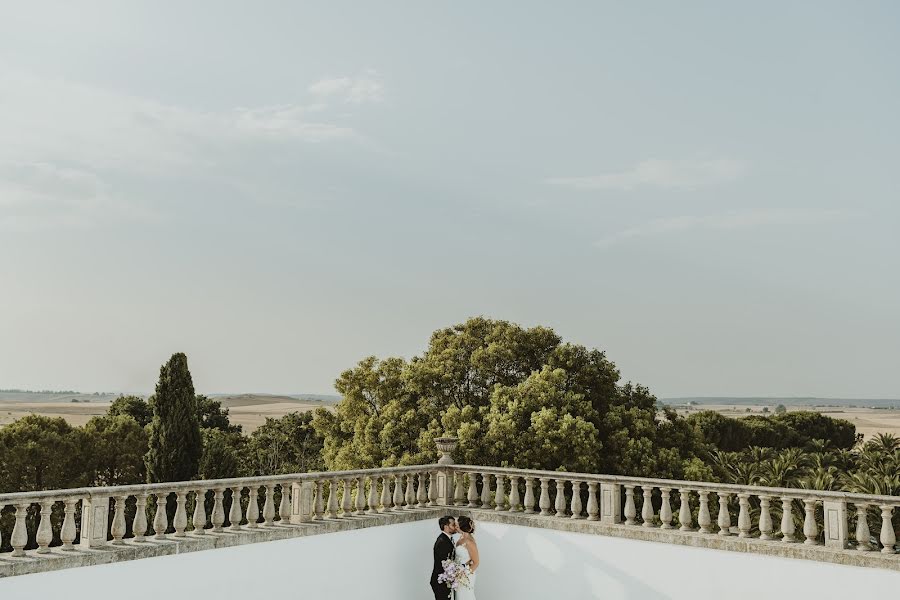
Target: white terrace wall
[[393, 563]]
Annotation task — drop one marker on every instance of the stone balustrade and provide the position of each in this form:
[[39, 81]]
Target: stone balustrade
[[783, 515], [78, 519], [138, 520]]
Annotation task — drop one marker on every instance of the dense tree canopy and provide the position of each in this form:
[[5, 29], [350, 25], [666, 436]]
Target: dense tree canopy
[[175, 444], [133, 406]]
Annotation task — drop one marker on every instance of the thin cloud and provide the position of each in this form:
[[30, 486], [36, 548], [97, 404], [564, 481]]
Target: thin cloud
[[364, 88], [661, 174], [730, 221]]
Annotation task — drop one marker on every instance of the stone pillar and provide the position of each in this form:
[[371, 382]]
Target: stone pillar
[[630, 508], [647, 507], [199, 517], [485, 490], [529, 496], [19, 537], [545, 497], [160, 518], [473, 490], [410, 491], [117, 527], [218, 513], [421, 492], [575, 506], [45, 531], [888, 537], [835, 512], [515, 504], [445, 479], [284, 507], [180, 520], [67, 533], [346, 500], [373, 495], [398, 492], [320, 499], [593, 506], [332, 499], [139, 525], [269, 506], [253, 507], [432, 490], [765, 518], [361, 495], [810, 528], [744, 515], [385, 500], [302, 505], [685, 519], [665, 509], [94, 516], [787, 520], [459, 491], [234, 511], [560, 498], [724, 521], [500, 494], [863, 543], [704, 519], [610, 503]]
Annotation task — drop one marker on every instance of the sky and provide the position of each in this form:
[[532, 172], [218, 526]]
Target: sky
[[709, 192]]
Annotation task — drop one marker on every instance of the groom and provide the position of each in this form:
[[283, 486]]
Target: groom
[[444, 548]]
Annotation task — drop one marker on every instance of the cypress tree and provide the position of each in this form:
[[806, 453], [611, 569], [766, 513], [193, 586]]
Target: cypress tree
[[175, 441]]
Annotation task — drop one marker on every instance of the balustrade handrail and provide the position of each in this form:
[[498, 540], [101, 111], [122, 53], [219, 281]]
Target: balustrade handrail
[[798, 493], [193, 484]]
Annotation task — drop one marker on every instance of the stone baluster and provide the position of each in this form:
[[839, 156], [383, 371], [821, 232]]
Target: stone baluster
[[765, 518], [373, 495], [787, 520], [269, 505], [19, 538], [45, 531], [685, 519], [398, 492], [575, 506], [67, 533], [284, 504], [529, 496], [117, 527], [560, 505], [320, 499], [139, 524], [180, 521], [385, 502], [473, 491], [361, 495], [432, 488], [665, 509], [160, 518], [199, 518], [253, 507], [234, 512], [630, 509], [500, 494], [485, 490], [459, 493], [744, 515], [515, 504], [346, 499], [647, 506], [704, 519], [724, 520], [863, 543], [410, 496], [593, 506], [421, 492], [218, 513], [333, 499], [888, 537], [545, 497], [810, 529]]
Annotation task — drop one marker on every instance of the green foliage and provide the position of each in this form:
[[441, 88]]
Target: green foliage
[[175, 443], [114, 449], [780, 409], [132, 406], [213, 416], [40, 453], [286, 445], [222, 454], [787, 430], [514, 396]]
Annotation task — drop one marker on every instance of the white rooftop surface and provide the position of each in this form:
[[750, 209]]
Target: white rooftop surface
[[394, 562]]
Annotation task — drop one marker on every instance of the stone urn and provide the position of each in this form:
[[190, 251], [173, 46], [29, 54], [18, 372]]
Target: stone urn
[[446, 446]]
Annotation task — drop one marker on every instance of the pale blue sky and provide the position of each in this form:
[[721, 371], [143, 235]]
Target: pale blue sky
[[708, 191]]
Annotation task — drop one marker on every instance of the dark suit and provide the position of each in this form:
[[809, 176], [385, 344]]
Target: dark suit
[[444, 548]]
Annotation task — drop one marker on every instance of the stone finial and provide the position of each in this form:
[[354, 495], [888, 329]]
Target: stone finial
[[446, 446]]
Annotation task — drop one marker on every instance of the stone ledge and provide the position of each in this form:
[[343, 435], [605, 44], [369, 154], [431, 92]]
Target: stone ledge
[[130, 550], [686, 538]]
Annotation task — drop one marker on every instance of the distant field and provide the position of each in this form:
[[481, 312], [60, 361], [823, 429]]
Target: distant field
[[247, 410], [868, 421]]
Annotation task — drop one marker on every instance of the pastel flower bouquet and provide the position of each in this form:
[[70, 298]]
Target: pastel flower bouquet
[[455, 574]]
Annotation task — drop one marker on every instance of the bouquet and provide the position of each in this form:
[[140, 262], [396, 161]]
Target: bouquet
[[455, 574]]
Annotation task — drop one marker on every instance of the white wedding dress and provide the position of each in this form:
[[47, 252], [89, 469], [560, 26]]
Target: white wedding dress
[[465, 593]]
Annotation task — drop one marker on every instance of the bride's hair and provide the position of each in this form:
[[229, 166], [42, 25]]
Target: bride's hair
[[465, 524]]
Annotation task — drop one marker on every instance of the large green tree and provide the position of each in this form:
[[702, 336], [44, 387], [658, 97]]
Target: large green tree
[[40, 453], [133, 406], [175, 444], [114, 449]]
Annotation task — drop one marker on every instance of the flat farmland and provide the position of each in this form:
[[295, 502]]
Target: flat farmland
[[868, 421], [248, 410]]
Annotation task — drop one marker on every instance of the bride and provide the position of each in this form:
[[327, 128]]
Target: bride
[[467, 554]]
